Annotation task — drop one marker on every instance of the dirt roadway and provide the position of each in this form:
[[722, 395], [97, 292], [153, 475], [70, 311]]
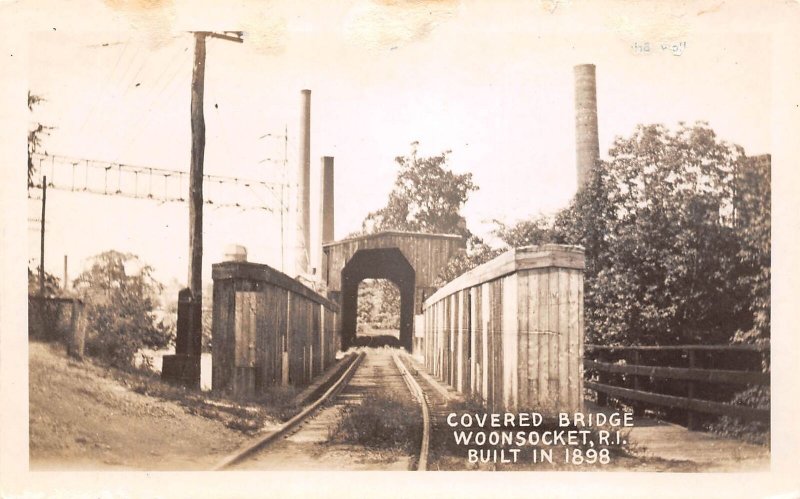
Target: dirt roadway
[[82, 418]]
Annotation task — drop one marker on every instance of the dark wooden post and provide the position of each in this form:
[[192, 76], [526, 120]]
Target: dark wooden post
[[184, 367], [41, 237], [692, 423], [602, 378], [638, 407], [196, 170]]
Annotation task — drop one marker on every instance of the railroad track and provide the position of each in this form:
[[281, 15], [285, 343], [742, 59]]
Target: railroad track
[[419, 394], [296, 443], [297, 420], [438, 401]]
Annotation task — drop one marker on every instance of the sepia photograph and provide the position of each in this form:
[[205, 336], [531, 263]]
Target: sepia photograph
[[527, 240]]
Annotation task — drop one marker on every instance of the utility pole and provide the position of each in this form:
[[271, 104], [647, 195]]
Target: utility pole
[[284, 178], [196, 169], [184, 366], [41, 237], [198, 151]]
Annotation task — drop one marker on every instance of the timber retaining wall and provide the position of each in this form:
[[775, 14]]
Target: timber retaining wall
[[511, 330], [268, 329]]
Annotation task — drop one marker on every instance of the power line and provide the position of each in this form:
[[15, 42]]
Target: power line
[[143, 122], [145, 182], [109, 78]]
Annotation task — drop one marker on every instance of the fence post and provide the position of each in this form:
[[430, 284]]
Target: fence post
[[692, 422], [77, 330], [638, 407], [602, 378]]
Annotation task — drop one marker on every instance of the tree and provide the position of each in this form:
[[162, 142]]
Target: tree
[[663, 244], [427, 197], [35, 136], [476, 253], [120, 295], [752, 214], [52, 284], [378, 304]]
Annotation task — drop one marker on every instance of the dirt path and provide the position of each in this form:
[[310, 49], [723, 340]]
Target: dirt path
[[309, 448], [707, 451], [657, 445], [83, 418]]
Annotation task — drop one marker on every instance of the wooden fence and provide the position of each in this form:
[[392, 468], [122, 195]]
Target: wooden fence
[[511, 330], [268, 329], [693, 379], [58, 319]]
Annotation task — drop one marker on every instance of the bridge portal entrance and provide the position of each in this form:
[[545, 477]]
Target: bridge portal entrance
[[381, 263], [411, 260]]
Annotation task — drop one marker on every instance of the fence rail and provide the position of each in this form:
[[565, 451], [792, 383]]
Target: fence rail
[[619, 372]]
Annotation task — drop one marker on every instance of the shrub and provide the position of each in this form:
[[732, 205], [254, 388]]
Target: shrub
[[120, 296], [380, 422], [757, 432]]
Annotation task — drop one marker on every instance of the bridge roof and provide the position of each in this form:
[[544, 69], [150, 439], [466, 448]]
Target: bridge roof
[[428, 254], [392, 233]]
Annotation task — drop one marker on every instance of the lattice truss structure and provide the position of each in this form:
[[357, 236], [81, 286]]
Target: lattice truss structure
[[157, 184]]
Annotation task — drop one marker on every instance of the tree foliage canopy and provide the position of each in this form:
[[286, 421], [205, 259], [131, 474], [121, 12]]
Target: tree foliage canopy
[[427, 197], [676, 229], [35, 134], [120, 295]]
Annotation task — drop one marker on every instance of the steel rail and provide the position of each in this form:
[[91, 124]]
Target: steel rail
[[416, 390], [265, 441]]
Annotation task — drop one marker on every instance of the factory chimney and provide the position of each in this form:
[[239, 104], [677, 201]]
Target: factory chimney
[[326, 210], [303, 245], [586, 139], [326, 199]]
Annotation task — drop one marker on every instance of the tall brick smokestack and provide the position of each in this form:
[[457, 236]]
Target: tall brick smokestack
[[586, 139], [326, 211], [326, 200], [303, 246]]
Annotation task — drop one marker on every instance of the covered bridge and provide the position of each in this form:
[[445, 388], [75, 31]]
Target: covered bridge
[[411, 260]]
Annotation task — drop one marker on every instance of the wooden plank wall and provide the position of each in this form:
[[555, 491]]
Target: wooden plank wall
[[515, 339], [267, 331]]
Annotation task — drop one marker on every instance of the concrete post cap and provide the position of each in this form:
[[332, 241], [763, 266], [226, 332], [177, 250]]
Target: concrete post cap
[[235, 253]]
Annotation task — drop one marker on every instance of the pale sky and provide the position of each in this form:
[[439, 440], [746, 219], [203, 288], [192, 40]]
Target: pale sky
[[494, 85]]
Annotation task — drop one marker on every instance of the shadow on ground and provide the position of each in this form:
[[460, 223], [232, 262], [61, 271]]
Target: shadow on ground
[[377, 341]]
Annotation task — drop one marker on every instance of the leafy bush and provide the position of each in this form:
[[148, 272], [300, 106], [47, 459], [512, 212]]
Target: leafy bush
[[49, 319], [120, 295], [676, 230], [757, 432]]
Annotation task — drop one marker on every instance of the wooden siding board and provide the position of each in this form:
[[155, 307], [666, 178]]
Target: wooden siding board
[[563, 337], [473, 335], [553, 336], [452, 341], [485, 308], [495, 351], [460, 342], [510, 339], [522, 339], [574, 358], [542, 338], [533, 338], [222, 329]]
